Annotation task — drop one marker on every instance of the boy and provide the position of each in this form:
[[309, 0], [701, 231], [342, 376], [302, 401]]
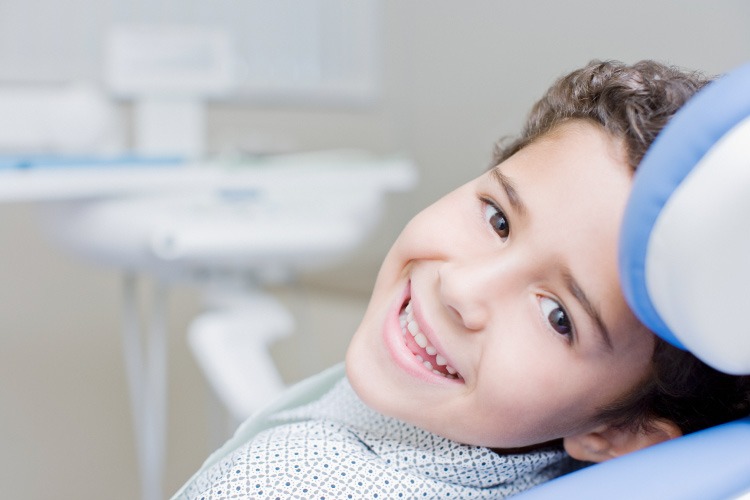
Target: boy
[[497, 346]]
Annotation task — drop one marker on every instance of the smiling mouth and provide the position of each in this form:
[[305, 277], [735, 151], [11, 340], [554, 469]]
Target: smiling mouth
[[418, 344]]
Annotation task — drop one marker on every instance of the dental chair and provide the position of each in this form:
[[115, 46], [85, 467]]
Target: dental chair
[[685, 269]]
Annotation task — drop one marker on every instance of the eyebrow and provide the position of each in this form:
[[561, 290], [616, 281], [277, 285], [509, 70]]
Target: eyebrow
[[510, 191], [575, 289]]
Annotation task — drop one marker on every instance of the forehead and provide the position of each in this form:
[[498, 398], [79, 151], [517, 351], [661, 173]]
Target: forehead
[[583, 140], [577, 163]]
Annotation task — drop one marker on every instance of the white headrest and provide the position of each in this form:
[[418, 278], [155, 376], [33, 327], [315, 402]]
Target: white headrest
[[685, 242]]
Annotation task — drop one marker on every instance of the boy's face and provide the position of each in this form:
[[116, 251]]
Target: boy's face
[[512, 283]]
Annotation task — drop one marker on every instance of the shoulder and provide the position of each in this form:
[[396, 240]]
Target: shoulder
[[298, 395], [298, 459]]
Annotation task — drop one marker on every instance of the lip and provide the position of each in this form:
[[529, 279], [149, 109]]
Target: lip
[[400, 353]]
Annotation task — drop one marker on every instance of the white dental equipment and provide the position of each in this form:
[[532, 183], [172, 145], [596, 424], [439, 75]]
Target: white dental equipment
[[226, 228]]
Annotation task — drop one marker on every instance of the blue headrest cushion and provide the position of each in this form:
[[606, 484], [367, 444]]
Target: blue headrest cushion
[[685, 241]]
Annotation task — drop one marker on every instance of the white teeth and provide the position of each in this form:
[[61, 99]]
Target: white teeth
[[408, 324], [412, 327]]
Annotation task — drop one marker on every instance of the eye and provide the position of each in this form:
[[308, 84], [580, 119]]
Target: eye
[[556, 316], [496, 219]]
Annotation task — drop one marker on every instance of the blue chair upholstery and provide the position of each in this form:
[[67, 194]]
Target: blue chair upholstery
[[685, 269]]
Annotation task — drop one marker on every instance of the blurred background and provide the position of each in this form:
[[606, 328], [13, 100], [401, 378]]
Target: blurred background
[[435, 81]]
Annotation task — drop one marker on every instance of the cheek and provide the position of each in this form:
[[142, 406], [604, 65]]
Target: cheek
[[424, 233], [525, 372], [440, 231], [535, 390]]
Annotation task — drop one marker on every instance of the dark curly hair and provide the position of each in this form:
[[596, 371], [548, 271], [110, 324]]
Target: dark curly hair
[[633, 103]]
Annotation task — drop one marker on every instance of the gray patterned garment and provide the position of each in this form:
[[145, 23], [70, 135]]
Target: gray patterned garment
[[336, 447]]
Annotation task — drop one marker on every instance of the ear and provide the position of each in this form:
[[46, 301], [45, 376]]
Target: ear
[[607, 441]]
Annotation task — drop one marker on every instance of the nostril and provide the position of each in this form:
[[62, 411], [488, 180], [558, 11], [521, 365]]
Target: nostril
[[454, 314], [459, 296], [470, 318]]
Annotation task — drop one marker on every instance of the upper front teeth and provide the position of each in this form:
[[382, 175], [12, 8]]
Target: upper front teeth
[[409, 324]]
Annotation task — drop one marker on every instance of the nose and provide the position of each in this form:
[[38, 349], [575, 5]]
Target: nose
[[471, 290]]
